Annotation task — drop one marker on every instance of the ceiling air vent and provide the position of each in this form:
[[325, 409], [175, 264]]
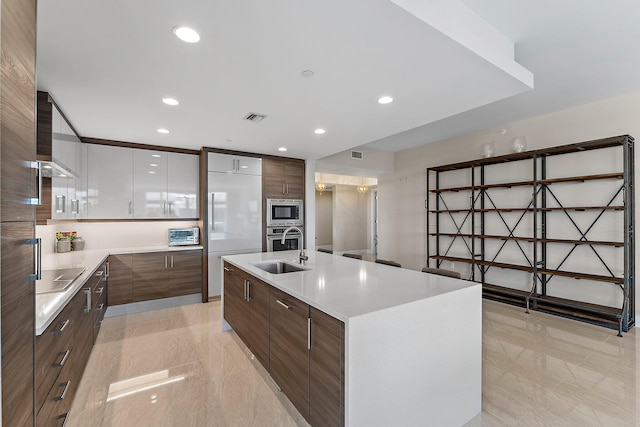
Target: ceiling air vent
[[356, 155], [255, 117]]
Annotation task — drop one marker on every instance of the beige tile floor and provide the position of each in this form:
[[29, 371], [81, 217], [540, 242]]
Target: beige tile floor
[[174, 367]]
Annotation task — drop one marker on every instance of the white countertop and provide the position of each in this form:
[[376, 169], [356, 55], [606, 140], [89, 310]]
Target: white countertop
[[345, 288], [48, 306]]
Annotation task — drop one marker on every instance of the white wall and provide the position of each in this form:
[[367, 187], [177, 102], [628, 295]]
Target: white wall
[[402, 214], [373, 163], [101, 235], [324, 218], [350, 227]]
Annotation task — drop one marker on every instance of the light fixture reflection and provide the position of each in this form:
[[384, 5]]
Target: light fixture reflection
[[142, 383]]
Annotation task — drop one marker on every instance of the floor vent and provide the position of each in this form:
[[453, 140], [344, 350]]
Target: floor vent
[[356, 155], [255, 117]]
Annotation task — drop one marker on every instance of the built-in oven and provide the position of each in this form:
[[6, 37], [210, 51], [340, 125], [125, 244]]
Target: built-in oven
[[293, 241], [285, 212]]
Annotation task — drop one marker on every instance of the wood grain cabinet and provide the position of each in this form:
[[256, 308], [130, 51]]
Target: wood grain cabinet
[[246, 301], [63, 350], [120, 279], [158, 275], [302, 347], [326, 370], [282, 178], [289, 348]]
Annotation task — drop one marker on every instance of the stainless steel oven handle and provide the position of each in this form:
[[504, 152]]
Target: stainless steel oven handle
[[213, 221]]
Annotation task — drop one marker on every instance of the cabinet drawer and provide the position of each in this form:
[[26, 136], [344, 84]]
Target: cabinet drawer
[[54, 346], [58, 401]]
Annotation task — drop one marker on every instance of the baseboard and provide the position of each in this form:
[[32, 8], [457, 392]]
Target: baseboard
[[139, 307], [215, 298]]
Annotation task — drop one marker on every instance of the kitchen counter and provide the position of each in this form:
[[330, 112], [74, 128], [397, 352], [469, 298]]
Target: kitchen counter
[[346, 288], [413, 341], [48, 306]]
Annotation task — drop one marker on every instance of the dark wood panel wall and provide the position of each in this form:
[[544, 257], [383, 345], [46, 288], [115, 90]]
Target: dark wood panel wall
[[17, 215]]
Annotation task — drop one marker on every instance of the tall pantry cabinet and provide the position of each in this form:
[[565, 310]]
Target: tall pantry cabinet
[[17, 214]]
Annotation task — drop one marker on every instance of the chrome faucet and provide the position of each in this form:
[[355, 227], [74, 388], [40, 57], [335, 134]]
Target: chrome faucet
[[303, 256]]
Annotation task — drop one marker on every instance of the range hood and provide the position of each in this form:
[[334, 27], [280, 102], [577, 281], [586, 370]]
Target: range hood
[[53, 126]]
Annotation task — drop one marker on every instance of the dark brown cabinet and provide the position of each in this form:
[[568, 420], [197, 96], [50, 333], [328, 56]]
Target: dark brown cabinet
[[326, 370], [120, 279], [289, 348], [63, 349], [154, 275], [246, 307], [185, 273], [17, 188], [283, 178], [302, 347], [150, 279]]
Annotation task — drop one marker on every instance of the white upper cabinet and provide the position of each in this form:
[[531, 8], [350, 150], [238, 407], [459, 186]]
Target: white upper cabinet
[[182, 189], [235, 164], [150, 174], [110, 184]]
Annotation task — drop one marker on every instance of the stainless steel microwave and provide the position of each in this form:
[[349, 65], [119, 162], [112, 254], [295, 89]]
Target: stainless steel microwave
[[285, 212], [184, 236]]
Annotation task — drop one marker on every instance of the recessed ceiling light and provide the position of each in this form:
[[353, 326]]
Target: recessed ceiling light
[[244, 167], [153, 165], [62, 175], [186, 34], [152, 172], [170, 101], [385, 100], [282, 149], [161, 130], [319, 131], [156, 155], [46, 167], [307, 74]]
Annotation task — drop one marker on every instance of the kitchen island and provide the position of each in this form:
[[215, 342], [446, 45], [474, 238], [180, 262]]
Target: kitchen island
[[412, 341]]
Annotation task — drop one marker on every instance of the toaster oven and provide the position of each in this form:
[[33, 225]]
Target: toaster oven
[[184, 236]]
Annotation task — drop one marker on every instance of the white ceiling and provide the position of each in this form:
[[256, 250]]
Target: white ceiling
[[580, 51], [109, 63]]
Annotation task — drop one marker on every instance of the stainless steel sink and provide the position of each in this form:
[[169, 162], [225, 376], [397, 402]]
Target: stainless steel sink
[[57, 280], [278, 267]]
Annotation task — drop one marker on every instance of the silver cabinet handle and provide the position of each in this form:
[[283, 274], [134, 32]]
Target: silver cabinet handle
[[38, 274], [75, 206], [101, 307], [288, 307], [63, 360], [248, 290], [100, 291], [308, 333], [107, 268], [64, 421], [166, 261], [130, 207], [64, 391], [99, 273], [37, 200], [87, 292], [244, 283], [171, 261], [213, 220], [283, 189], [287, 188], [164, 207], [226, 269], [170, 208], [64, 325], [60, 204]]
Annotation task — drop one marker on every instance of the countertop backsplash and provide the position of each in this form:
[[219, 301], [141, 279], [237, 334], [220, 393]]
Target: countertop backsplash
[[102, 235]]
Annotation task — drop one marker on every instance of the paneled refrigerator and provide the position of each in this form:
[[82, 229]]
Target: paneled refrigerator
[[234, 210]]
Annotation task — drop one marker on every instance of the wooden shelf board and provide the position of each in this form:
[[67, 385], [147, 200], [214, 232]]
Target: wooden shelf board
[[571, 308], [531, 239], [563, 149], [617, 175], [528, 269], [569, 208]]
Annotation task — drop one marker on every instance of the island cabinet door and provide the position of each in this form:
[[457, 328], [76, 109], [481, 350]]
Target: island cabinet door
[[258, 300], [235, 310], [326, 370], [289, 353]]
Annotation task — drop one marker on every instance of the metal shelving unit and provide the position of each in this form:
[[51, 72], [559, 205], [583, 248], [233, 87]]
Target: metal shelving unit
[[539, 212]]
